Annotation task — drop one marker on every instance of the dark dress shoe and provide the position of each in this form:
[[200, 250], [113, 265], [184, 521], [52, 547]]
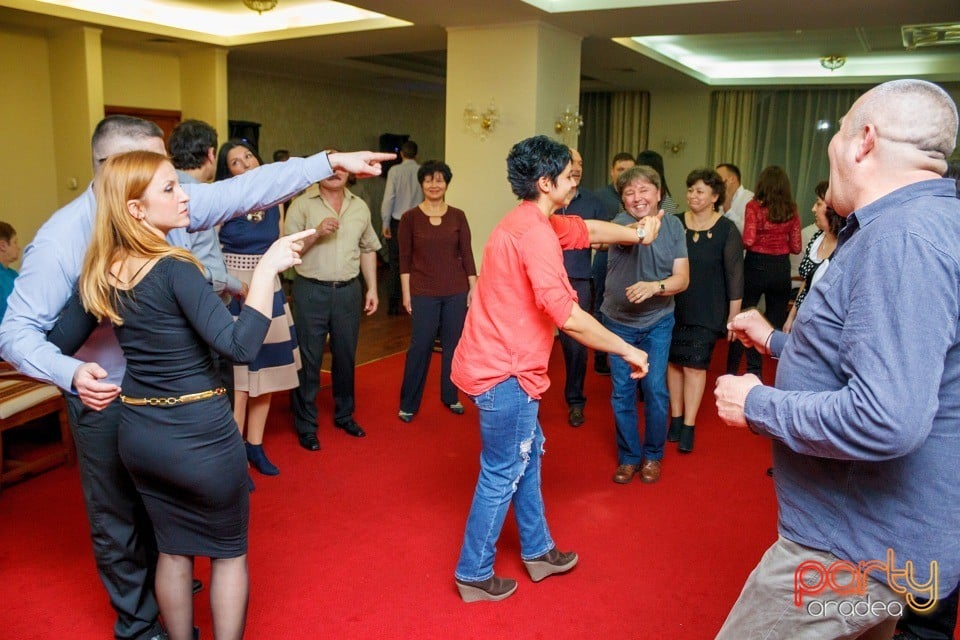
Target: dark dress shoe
[[197, 586], [685, 445], [259, 460], [309, 441], [352, 428], [575, 416]]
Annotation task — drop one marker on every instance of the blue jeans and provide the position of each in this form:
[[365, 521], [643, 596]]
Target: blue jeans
[[655, 340], [509, 473]]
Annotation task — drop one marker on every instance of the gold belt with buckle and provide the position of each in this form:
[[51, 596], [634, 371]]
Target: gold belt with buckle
[[173, 401]]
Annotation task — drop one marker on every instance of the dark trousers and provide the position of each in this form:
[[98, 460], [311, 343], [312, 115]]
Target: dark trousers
[[394, 293], [320, 311], [123, 544], [431, 313], [574, 353], [599, 275], [935, 625], [768, 276]]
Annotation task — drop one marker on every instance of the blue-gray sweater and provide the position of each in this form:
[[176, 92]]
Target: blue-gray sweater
[[865, 416]]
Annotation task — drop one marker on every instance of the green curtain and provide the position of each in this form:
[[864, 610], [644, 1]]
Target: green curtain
[[790, 128], [612, 122], [732, 132]]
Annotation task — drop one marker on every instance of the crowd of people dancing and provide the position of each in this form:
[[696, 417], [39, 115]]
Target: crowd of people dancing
[[168, 327]]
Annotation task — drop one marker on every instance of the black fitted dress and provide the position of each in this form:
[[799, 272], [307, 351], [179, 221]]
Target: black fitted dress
[[187, 461], [716, 278]]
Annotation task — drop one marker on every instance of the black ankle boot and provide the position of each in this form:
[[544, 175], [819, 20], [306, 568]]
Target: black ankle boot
[[686, 439], [673, 433], [258, 459]]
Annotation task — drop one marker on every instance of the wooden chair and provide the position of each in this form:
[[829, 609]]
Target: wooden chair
[[23, 400]]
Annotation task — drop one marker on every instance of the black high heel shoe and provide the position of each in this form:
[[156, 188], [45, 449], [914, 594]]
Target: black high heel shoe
[[258, 459]]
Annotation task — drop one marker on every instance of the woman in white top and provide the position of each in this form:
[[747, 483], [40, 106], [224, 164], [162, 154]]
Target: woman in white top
[[817, 256]]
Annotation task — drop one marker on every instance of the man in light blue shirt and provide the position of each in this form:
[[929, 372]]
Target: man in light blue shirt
[[122, 535], [865, 414], [401, 194]]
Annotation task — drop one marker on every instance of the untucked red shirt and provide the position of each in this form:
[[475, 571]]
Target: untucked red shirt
[[770, 238], [521, 296]]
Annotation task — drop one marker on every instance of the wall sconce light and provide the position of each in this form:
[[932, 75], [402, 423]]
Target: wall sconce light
[[568, 124], [832, 62], [674, 147], [481, 123]]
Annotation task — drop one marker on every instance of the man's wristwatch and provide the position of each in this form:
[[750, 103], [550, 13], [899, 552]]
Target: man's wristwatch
[[641, 232], [663, 287]]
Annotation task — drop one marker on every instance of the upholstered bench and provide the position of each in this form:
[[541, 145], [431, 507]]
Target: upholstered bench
[[23, 400]]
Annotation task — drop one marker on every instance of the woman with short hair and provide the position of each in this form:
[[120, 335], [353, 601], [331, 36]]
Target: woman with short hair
[[437, 275]]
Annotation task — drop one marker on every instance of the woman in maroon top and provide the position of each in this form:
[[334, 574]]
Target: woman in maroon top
[[771, 232], [437, 275]]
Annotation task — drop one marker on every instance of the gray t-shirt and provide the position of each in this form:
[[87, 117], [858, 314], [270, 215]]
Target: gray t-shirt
[[635, 263]]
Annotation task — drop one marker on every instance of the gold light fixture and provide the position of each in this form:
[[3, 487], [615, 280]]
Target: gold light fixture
[[674, 147], [481, 122], [260, 5], [833, 62], [568, 125]]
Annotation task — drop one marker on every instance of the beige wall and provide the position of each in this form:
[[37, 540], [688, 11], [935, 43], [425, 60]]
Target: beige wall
[[674, 115], [126, 82], [26, 127], [305, 118]]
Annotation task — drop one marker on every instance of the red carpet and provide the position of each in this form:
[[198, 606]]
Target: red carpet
[[360, 539]]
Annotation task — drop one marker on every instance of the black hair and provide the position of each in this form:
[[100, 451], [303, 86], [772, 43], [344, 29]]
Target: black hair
[[223, 171], [189, 142], [732, 168], [532, 159], [431, 167], [409, 149], [834, 219], [623, 155], [713, 180]]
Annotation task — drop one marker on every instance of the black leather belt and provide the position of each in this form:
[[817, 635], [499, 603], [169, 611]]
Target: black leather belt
[[335, 284]]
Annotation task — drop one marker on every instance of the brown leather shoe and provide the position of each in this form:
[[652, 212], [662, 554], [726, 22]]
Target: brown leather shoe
[[650, 471], [625, 473]]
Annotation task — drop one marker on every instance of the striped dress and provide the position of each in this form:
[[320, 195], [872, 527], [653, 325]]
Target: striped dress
[[245, 240]]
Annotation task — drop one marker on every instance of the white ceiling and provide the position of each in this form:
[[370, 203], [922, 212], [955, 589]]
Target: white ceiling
[[717, 42]]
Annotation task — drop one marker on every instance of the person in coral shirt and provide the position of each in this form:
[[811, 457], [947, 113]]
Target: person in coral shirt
[[522, 295]]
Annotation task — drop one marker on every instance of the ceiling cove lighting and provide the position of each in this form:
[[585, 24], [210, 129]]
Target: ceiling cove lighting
[[304, 18]]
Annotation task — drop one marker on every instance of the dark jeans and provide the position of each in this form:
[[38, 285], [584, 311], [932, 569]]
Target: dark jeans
[[431, 313], [394, 293], [935, 625], [123, 544], [318, 311], [574, 353], [768, 276]]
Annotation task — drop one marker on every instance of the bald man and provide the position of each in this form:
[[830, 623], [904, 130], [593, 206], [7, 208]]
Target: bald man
[[865, 414]]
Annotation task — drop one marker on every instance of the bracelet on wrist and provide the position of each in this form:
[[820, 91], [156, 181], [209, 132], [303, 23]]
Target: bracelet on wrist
[[766, 343]]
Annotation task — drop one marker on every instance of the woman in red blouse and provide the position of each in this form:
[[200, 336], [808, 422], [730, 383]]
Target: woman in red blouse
[[771, 232], [437, 274]]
